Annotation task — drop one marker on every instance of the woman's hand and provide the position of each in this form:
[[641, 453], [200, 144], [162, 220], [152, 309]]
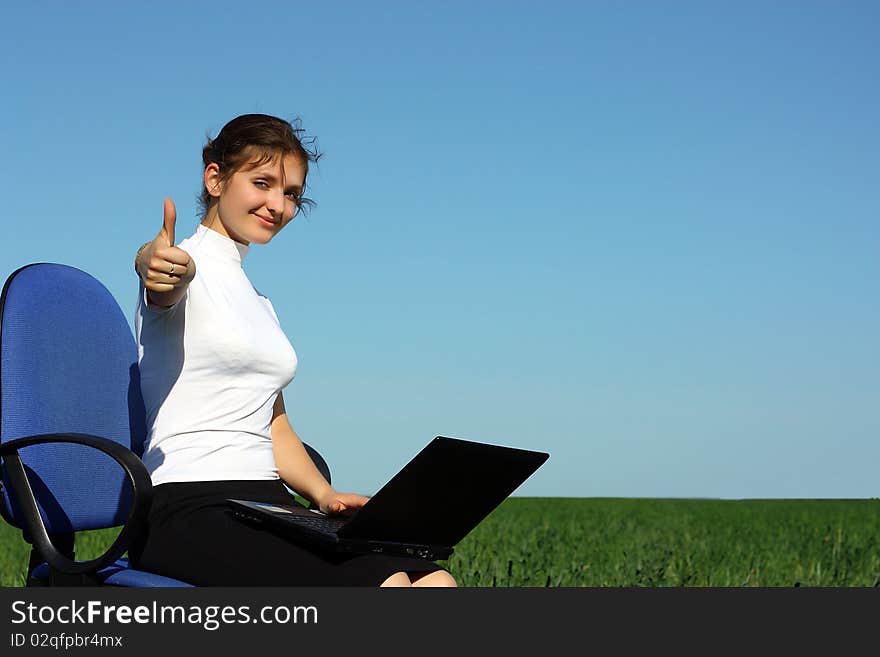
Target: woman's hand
[[162, 266], [335, 503]]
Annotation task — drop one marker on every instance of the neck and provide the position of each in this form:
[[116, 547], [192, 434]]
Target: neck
[[212, 221]]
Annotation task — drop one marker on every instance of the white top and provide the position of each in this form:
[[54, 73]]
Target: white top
[[211, 368]]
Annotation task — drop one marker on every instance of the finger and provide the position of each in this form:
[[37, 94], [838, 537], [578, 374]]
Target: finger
[[163, 261], [156, 286], [164, 277], [166, 271], [169, 221], [177, 256]]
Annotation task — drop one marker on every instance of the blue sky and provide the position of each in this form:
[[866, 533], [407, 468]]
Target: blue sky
[[640, 236]]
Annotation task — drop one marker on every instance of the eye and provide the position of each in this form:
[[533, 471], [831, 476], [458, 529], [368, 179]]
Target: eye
[[262, 184]]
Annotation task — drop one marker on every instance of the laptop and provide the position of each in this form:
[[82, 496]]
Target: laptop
[[423, 511]]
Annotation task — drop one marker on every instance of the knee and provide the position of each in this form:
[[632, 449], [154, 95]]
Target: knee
[[436, 578], [397, 579]]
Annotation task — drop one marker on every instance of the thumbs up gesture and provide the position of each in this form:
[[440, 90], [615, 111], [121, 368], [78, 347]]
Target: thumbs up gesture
[[162, 266]]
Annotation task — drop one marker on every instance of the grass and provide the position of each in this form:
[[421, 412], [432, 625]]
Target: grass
[[635, 542]]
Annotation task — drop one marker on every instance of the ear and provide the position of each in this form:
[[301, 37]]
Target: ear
[[213, 183]]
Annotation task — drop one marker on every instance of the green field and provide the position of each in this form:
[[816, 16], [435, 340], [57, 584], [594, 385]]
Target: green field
[[636, 542]]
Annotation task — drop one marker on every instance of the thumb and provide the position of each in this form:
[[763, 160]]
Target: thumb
[[169, 221]]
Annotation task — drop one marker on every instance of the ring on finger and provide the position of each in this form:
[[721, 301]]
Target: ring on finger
[[171, 273]]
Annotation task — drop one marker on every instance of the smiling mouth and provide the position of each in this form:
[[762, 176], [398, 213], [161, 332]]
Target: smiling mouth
[[268, 221]]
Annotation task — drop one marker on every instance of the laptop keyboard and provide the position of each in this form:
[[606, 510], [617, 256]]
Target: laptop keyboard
[[319, 522]]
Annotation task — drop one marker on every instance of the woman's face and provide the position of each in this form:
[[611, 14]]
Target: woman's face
[[254, 204]]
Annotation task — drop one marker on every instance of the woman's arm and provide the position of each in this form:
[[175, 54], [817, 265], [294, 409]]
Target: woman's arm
[[297, 470], [295, 466]]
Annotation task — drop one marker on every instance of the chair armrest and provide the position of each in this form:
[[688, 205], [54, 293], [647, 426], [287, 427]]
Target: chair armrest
[[319, 461], [138, 475]]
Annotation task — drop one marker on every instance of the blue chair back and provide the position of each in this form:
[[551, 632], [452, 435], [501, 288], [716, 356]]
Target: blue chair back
[[68, 364]]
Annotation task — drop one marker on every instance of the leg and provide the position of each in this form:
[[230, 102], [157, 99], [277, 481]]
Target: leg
[[223, 551], [436, 578], [397, 579]]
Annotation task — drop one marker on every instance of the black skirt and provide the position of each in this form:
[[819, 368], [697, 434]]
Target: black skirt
[[191, 536]]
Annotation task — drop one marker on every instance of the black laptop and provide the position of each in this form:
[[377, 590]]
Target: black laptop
[[423, 511]]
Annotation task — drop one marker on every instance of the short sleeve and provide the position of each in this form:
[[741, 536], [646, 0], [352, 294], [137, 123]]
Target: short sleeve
[[268, 305], [271, 308]]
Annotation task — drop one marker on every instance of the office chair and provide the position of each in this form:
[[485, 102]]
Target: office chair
[[72, 426]]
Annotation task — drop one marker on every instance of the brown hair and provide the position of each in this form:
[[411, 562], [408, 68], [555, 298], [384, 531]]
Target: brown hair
[[256, 138]]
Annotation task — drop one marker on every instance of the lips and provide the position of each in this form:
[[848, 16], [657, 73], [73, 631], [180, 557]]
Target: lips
[[268, 222]]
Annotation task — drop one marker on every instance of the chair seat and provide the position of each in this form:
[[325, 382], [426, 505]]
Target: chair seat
[[120, 573]]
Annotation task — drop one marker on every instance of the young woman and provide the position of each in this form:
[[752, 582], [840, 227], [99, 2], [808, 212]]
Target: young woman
[[213, 362]]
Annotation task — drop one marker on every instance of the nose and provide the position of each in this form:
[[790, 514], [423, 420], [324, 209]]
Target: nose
[[275, 201]]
